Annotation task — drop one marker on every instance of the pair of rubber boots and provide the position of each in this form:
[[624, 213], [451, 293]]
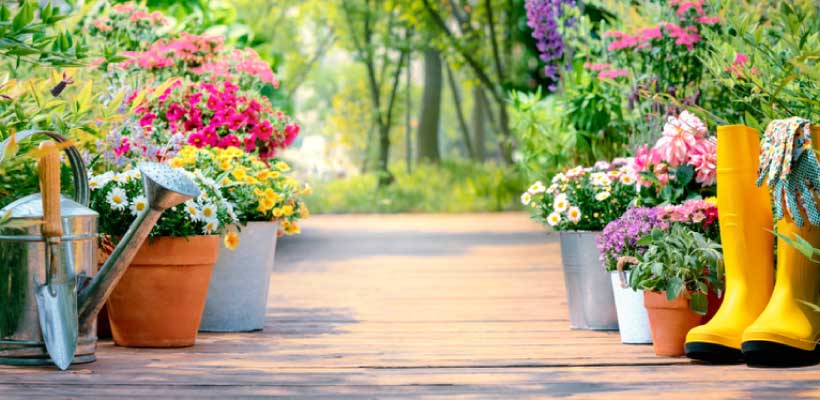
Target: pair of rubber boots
[[764, 321]]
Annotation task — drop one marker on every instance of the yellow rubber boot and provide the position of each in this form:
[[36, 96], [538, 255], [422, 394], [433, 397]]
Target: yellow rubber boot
[[787, 332], [745, 215]]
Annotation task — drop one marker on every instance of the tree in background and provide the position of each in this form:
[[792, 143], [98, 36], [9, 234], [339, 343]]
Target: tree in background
[[378, 40]]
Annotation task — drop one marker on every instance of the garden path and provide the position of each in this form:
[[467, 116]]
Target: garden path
[[467, 306]]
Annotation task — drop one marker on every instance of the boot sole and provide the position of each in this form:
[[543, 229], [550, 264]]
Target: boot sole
[[713, 353], [762, 353]]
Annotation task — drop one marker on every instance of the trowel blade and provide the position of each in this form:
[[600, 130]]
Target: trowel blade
[[57, 309]]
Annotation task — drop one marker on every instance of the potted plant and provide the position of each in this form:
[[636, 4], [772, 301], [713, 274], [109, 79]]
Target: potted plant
[[159, 300], [676, 272], [618, 244], [579, 203], [267, 203]]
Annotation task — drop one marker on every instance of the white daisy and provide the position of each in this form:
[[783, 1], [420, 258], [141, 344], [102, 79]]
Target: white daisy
[[574, 215], [554, 219], [139, 205], [208, 211], [558, 178], [560, 204], [211, 226], [537, 187], [601, 196], [117, 199], [526, 198], [193, 210], [627, 179]]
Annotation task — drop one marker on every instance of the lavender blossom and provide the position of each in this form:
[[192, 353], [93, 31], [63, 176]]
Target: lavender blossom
[[542, 17], [620, 236]]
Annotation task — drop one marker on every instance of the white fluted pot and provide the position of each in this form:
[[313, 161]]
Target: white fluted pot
[[238, 294], [633, 320]]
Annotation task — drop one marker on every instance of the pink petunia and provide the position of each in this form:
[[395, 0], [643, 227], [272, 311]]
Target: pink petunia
[[147, 119]]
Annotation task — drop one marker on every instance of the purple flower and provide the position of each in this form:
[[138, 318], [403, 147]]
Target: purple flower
[[620, 236], [542, 17]]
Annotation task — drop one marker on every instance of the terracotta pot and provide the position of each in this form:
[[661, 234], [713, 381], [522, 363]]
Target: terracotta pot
[[669, 321], [159, 301]]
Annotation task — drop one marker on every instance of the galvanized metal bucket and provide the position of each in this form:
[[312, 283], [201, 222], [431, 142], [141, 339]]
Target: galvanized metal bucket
[[633, 320], [238, 294], [589, 290]]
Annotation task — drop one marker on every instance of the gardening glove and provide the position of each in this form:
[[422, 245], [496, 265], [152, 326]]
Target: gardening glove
[[790, 168]]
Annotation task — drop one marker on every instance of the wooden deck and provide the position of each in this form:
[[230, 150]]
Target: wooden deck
[[414, 306]]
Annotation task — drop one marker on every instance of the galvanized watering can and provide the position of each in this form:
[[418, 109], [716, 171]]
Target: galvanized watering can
[[49, 294]]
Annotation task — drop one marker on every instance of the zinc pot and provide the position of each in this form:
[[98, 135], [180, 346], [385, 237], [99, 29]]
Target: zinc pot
[[589, 291], [238, 294], [670, 322], [159, 300], [633, 320]]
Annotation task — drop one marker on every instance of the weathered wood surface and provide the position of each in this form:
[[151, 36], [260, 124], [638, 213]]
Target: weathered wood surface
[[434, 306]]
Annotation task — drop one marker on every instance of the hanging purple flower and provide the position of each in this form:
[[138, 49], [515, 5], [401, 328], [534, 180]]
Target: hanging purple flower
[[543, 17]]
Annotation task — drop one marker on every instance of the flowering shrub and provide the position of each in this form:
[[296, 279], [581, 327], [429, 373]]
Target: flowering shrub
[[583, 198], [620, 237], [128, 26], [698, 215], [201, 58], [258, 192], [119, 198], [681, 165], [203, 114]]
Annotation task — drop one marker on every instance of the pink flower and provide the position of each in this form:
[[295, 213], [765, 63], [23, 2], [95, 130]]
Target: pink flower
[[175, 112], [687, 36], [596, 67], [684, 6], [147, 119], [738, 67], [291, 131], [197, 140], [262, 131], [623, 42], [708, 20], [612, 73], [680, 135], [691, 122], [124, 147], [644, 158], [650, 33], [229, 141], [704, 158]]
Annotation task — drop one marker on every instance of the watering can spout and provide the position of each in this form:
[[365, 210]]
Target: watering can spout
[[165, 187]]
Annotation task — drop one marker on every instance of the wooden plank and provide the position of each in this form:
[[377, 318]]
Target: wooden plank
[[432, 306]]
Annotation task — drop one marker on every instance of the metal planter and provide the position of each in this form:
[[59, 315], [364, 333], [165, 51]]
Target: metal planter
[[238, 295], [589, 289], [633, 320]]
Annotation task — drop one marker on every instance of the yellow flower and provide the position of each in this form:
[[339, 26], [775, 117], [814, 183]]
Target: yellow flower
[[287, 210], [239, 173], [303, 210], [275, 174], [271, 195], [711, 200], [226, 181], [277, 212], [177, 163], [282, 166], [307, 191], [232, 240], [293, 229], [263, 175]]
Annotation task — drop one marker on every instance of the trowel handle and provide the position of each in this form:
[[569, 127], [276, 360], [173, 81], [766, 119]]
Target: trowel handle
[[49, 171]]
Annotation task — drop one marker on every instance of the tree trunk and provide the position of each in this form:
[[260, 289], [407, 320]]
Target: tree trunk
[[462, 122], [385, 176], [408, 129], [479, 122], [427, 148]]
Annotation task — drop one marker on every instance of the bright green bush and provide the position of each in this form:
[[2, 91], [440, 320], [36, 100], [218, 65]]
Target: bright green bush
[[453, 186]]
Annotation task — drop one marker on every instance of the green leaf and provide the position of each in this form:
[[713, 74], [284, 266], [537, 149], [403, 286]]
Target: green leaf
[[25, 14], [699, 303], [673, 288]]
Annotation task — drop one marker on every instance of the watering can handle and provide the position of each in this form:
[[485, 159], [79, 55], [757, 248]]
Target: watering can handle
[[82, 192], [49, 170]]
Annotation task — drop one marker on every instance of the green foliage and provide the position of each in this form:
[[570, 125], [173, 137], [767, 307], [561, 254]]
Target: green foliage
[[29, 33], [545, 143], [780, 79], [679, 261], [453, 186]]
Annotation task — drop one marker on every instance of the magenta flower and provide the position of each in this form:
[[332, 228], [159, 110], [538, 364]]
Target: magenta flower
[[147, 119]]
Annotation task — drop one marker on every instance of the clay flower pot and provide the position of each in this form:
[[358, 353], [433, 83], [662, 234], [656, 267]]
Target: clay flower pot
[[669, 321], [159, 301]]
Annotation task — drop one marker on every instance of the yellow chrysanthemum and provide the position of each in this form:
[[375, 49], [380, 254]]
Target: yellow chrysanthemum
[[232, 240], [287, 210]]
